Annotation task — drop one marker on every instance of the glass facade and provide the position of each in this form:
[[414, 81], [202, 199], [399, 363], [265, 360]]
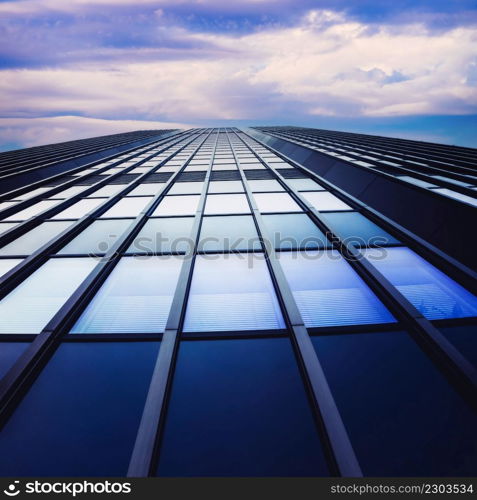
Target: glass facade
[[206, 296]]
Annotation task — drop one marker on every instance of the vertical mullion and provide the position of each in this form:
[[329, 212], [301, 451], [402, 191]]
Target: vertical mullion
[[143, 457], [340, 453]]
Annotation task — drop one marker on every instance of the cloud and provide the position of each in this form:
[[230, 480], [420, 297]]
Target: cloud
[[35, 131]]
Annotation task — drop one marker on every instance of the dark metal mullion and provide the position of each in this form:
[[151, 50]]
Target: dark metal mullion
[[10, 279], [340, 453], [20, 376], [144, 455], [455, 268], [455, 365]]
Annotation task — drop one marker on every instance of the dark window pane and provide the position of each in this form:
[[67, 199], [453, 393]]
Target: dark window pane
[[9, 353], [355, 228], [238, 408], [82, 414], [402, 416], [464, 337]]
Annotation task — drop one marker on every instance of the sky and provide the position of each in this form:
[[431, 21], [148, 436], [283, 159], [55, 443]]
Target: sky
[[72, 69]]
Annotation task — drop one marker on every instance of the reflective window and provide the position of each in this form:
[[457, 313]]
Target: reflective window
[[164, 235], [34, 192], [251, 415], [9, 353], [79, 209], [294, 231], [402, 416], [322, 200], [186, 188], [356, 228], [68, 193], [146, 189], [225, 187], [276, 202], [232, 292], [107, 191], [265, 185], [35, 209], [136, 297], [432, 292], [229, 233], [33, 303], [178, 205], [304, 184], [97, 238], [127, 207], [328, 292], [34, 239], [6, 226], [7, 264], [90, 396], [226, 204], [457, 196]]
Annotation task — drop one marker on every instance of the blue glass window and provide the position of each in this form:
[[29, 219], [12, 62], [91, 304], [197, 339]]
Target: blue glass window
[[294, 231], [7, 264], [232, 292], [233, 232], [239, 408], [323, 200], [356, 228], [464, 337], [164, 235], [128, 207], [328, 292], [29, 307], [432, 292], [402, 416], [79, 209], [81, 416], [136, 297], [9, 353]]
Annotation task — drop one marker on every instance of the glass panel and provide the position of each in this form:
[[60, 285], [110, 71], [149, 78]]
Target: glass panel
[[304, 184], [34, 239], [35, 209], [127, 207], [33, 303], [97, 238], [6, 226], [107, 191], [464, 337], [34, 192], [402, 416], [294, 231], [276, 202], [239, 408], [417, 182], [7, 264], [229, 233], [164, 235], [79, 209], [136, 297], [68, 193], [232, 292], [147, 189], [9, 353], [225, 187], [89, 396], [178, 205], [356, 228], [432, 292], [265, 185], [328, 292], [322, 200], [186, 188], [457, 196], [226, 204]]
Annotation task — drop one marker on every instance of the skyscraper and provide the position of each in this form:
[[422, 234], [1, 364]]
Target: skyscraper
[[272, 301]]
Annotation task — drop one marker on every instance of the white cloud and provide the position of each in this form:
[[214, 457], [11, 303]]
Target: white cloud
[[36, 131]]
